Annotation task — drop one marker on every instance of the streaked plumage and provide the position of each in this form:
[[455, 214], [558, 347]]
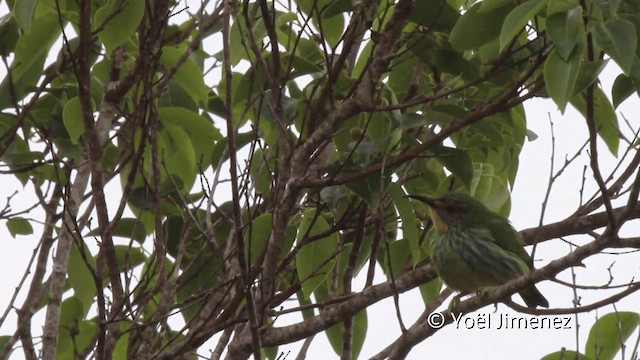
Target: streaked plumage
[[473, 248]]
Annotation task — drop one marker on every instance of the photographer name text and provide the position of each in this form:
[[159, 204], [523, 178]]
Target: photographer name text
[[495, 321]]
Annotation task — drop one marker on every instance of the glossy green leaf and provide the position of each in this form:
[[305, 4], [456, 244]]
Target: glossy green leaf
[[475, 28], [73, 119], [564, 30], [605, 117], [188, 75], [409, 225], [23, 11], [618, 38], [122, 19], [560, 77], [256, 235], [608, 335], [623, 87], [19, 226], [316, 258], [518, 18]]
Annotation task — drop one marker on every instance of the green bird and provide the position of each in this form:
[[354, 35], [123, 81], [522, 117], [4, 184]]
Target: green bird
[[473, 248]]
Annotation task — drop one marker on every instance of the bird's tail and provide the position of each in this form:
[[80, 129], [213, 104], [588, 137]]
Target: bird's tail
[[533, 298]]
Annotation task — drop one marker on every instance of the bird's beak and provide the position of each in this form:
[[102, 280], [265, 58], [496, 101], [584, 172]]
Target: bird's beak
[[425, 199], [436, 211]]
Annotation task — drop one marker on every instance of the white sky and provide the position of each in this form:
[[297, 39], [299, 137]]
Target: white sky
[[451, 343]]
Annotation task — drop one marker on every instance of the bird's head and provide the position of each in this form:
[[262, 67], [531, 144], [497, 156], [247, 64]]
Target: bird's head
[[452, 209]]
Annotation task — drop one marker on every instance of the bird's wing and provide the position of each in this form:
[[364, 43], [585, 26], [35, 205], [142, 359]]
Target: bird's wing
[[507, 237]]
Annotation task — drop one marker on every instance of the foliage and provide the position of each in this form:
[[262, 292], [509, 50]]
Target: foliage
[[262, 153], [606, 338]]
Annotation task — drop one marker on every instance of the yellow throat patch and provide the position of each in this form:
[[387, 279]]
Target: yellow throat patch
[[440, 225]]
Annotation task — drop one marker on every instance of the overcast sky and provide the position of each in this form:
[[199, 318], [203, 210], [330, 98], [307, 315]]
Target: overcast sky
[[530, 186]]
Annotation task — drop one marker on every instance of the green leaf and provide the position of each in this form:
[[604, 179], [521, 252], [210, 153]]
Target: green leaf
[[177, 154], [457, 161], [475, 28], [430, 290], [409, 225], [608, 335], [622, 88], [560, 77], [69, 329], [3, 341], [488, 5], [129, 228], [518, 18], [316, 258], [436, 15], [80, 277], [618, 39], [87, 332], [30, 53], [10, 35], [270, 353], [256, 236], [71, 311], [360, 324], [608, 7], [605, 117], [19, 226], [128, 258], [410, 120], [200, 130], [242, 139], [188, 75], [395, 259], [123, 18], [73, 119], [566, 355], [260, 171], [563, 29], [338, 7], [561, 6], [23, 11], [588, 73], [370, 188]]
